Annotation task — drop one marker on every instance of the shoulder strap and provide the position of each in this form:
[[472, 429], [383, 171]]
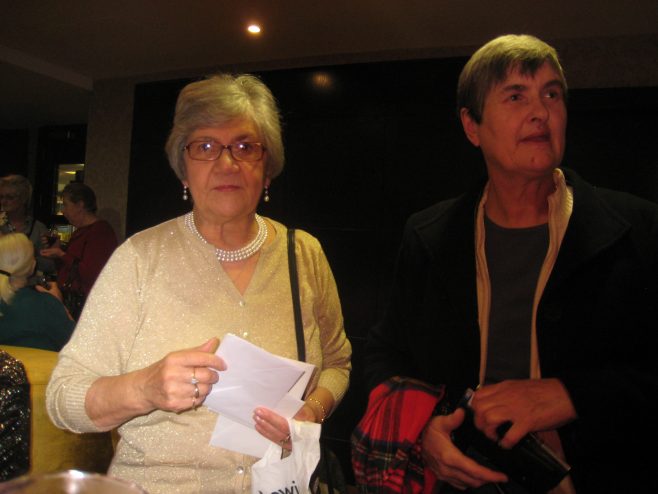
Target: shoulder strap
[[294, 288]]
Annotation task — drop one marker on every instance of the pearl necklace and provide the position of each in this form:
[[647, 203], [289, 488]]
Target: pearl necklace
[[238, 254]]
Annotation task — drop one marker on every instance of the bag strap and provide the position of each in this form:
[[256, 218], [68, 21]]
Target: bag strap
[[301, 346], [294, 288], [74, 270], [73, 274]]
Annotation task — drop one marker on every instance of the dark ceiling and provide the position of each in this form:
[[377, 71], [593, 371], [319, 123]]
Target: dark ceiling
[[52, 52]]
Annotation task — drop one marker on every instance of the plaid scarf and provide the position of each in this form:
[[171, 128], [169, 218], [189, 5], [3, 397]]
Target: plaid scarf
[[386, 444]]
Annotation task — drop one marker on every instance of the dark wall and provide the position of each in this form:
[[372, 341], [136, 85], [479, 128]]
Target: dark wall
[[368, 146], [14, 152]]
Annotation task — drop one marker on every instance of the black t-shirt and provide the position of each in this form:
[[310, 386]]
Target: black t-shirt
[[514, 260]]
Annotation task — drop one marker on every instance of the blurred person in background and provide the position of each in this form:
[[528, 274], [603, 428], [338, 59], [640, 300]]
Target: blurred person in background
[[30, 315], [90, 246], [15, 198]]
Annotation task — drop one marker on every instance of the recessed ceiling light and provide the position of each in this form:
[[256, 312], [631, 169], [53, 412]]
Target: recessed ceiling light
[[254, 29]]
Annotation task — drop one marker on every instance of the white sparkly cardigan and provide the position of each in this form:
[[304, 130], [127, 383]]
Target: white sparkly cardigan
[[164, 290]]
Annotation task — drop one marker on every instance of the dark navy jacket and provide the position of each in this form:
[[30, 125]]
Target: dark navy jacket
[[596, 325]]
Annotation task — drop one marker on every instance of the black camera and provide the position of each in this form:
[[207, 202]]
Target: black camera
[[531, 466], [40, 280]]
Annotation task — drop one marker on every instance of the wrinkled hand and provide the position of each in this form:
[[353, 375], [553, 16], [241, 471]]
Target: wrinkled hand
[[275, 428], [167, 384], [531, 405], [447, 462]]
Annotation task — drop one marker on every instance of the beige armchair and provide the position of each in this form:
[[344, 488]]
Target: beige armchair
[[53, 449]]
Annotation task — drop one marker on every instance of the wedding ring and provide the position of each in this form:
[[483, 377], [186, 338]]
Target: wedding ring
[[193, 403], [194, 380], [196, 392], [284, 440]]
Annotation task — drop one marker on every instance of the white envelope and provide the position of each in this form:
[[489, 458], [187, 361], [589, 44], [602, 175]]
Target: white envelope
[[254, 377]]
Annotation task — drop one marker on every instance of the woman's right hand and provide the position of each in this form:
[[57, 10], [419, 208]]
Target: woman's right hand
[[167, 385], [446, 460]]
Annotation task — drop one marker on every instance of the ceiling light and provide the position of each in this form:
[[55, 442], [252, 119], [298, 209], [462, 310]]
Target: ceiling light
[[254, 29], [322, 81]]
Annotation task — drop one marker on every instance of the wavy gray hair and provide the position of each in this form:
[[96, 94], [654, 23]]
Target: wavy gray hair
[[490, 65], [217, 100]]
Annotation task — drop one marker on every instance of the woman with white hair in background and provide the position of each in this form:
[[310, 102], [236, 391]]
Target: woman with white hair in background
[[30, 316]]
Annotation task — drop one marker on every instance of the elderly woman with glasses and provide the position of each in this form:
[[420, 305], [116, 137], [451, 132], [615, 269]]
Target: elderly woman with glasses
[[15, 197], [143, 356]]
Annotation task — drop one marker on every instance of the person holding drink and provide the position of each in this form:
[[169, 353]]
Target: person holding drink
[[15, 197], [89, 248]]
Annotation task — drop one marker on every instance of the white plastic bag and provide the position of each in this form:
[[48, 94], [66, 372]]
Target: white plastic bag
[[291, 475]]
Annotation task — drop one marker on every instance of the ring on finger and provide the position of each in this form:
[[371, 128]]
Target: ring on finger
[[285, 440], [194, 380], [196, 391]]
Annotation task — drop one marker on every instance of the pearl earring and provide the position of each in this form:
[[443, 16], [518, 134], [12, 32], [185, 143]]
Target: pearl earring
[[266, 195], [185, 196]]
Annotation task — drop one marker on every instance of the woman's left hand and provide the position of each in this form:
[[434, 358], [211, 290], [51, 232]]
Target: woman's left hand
[[53, 289], [273, 426]]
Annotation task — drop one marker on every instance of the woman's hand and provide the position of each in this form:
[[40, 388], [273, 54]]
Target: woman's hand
[[531, 405], [273, 426], [53, 289], [180, 381], [54, 252], [447, 462]]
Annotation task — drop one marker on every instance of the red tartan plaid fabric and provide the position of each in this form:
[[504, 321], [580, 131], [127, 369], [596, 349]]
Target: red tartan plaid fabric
[[386, 452]]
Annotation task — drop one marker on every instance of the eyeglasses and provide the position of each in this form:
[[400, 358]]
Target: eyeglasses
[[211, 150]]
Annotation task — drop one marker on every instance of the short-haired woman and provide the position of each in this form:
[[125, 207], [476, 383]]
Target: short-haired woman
[[91, 245], [15, 197], [142, 356]]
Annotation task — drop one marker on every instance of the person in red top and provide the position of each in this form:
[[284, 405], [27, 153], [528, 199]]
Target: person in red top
[[91, 244]]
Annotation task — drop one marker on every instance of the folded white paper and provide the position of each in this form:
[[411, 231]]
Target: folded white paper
[[253, 378]]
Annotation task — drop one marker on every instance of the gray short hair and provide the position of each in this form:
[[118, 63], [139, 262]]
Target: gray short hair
[[215, 101], [22, 186], [490, 65]]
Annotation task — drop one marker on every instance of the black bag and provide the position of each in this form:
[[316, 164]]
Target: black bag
[[14, 418], [73, 299], [328, 476], [530, 465]]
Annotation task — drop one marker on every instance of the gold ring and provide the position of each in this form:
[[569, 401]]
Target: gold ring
[[194, 380], [284, 440], [196, 391]]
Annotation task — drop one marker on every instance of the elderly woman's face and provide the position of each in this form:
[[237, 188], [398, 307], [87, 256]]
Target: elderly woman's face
[[10, 199], [523, 124], [225, 189], [72, 211]]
